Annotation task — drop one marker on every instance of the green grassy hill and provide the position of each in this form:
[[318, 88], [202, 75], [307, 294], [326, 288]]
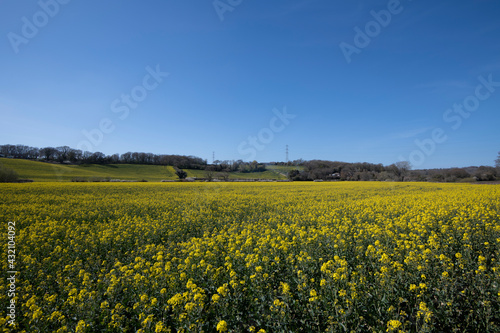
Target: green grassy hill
[[50, 172]]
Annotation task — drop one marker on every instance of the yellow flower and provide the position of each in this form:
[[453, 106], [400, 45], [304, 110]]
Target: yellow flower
[[285, 288], [189, 306], [223, 290], [314, 296], [422, 306], [393, 325], [222, 326], [80, 327], [159, 327], [278, 303], [37, 314], [148, 320]]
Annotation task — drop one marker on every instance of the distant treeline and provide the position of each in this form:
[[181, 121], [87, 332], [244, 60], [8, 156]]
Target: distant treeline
[[236, 166], [401, 171], [310, 170], [66, 154]]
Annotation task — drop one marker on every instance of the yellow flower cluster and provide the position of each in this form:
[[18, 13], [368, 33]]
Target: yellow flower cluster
[[254, 257]]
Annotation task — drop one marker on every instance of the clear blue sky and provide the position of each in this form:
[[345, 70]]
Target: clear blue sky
[[74, 66]]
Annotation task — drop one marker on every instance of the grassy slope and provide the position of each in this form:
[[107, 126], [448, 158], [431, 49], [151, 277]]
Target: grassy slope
[[45, 172]]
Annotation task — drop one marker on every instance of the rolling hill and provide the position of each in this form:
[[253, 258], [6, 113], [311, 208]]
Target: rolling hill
[[53, 172]]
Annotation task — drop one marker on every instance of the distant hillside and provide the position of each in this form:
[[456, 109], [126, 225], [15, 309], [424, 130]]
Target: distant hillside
[[268, 174], [53, 172], [284, 169]]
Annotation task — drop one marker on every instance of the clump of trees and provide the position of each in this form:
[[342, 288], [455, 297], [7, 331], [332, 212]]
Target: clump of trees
[[7, 175], [181, 173], [334, 170], [235, 166], [222, 169], [400, 171]]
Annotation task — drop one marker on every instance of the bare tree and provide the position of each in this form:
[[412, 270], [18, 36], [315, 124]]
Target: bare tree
[[225, 175], [48, 152], [209, 173], [63, 153], [401, 169]]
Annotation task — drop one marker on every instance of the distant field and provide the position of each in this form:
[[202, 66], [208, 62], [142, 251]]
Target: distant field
[[48, 172], [253, 257], [269, 174]]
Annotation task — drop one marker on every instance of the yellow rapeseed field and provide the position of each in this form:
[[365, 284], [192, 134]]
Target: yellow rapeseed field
[[253, 257]]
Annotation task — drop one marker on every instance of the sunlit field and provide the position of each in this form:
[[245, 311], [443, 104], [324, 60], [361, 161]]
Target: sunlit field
[[254, 257]]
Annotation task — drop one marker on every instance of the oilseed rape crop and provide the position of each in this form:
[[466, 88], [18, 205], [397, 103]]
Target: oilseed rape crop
[[253, 257]]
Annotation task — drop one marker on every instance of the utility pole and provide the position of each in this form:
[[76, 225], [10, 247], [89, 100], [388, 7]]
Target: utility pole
[[286, 153]]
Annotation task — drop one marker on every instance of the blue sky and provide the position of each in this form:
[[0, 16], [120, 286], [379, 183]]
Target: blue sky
[[246, 78]]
